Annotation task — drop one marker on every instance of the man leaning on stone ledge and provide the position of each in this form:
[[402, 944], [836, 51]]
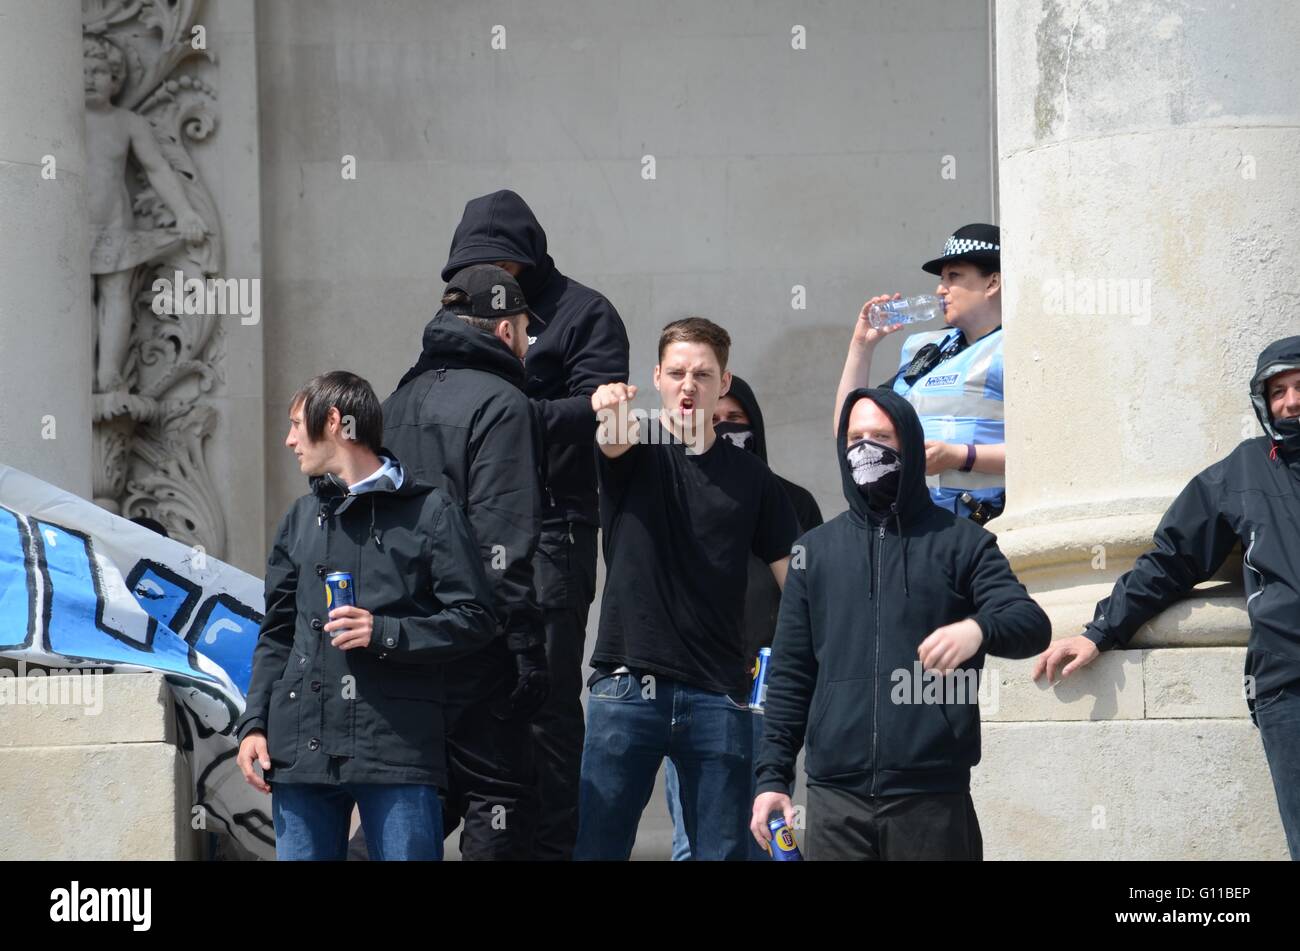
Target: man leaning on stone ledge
[[1251, 496]]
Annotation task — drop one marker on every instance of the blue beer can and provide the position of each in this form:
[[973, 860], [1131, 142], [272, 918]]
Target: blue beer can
[[758, 692], [784, 847], [339, 591]]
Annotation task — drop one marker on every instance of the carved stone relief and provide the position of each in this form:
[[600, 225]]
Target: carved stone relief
[[153, 220]]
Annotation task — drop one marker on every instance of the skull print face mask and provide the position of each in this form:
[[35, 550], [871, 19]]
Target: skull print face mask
[[877, 470]]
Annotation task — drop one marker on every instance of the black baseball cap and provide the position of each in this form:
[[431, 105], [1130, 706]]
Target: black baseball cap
[[979, 243], [492, 292]]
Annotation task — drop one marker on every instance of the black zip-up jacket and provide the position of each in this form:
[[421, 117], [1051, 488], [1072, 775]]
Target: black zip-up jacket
[[460, 420], [863, 591], [370, 714], [763, 594], [583, 344], [1251, 496]]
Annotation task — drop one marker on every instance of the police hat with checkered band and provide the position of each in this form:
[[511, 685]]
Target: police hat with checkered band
[[981, 244]]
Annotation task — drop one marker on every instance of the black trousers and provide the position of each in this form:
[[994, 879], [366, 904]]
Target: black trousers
[[491, 782], [843, 826], [565, 575]]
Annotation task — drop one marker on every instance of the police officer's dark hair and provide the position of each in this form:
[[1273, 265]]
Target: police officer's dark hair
[[984, 269], [457, 302], [353, 396]]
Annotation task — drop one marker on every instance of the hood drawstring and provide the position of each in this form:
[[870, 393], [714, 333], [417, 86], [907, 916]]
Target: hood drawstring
[[326, 510], [374, 534], [898, 525], [1272, 453]]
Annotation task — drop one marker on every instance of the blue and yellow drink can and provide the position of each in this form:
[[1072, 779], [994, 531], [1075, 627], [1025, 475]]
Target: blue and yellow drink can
[[758, 692], [784, 847], [339, 591]]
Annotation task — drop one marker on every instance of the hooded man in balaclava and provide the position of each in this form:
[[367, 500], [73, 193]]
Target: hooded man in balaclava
[[885, 623]]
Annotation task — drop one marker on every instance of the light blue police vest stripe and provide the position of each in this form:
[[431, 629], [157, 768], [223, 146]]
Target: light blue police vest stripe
[[959, 401]]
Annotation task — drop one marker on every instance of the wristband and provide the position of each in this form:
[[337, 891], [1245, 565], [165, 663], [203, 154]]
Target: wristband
[[970, 459]]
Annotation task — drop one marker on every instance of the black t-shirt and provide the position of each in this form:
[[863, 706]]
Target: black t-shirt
[[678, 531]]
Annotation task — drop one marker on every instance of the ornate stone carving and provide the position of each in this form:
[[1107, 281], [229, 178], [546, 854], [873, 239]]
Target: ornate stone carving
[[152, 217]]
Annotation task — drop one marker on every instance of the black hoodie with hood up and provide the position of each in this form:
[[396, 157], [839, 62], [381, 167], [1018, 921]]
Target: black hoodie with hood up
[[763, 594], [459, 420], [1251, 496], [582, 345], [845, 677]]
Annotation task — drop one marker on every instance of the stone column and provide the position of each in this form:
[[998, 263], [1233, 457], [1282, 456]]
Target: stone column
[[45, 304], [1151, 222]]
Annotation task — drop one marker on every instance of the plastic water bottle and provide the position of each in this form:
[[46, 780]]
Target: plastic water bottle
[[910, 310]]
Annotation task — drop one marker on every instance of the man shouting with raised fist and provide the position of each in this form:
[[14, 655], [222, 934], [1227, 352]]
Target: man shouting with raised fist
[[680, 513]]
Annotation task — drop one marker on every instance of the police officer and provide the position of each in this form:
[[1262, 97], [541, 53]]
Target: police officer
[[952, 377]]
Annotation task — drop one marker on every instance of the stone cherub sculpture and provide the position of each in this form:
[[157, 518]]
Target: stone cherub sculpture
[[112, 135]]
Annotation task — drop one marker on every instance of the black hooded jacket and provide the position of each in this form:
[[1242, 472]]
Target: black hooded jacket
[[867, 591], [763, 594], [464, 424], [582, 345], [1251, 496], [369, 714]]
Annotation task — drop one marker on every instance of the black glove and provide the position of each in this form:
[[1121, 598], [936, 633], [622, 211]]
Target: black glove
[[533, 682]]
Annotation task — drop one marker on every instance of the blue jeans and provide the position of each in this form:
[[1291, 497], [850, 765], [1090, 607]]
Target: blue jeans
[[401, 822], [632, 724], [1277, 714], [672, 793]]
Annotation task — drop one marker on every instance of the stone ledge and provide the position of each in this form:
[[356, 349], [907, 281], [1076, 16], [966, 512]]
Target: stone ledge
[[1160, 684], [96, 803], [1110, 688], [1208, 618], [100, 709], [1122, 790], [1201, 683]]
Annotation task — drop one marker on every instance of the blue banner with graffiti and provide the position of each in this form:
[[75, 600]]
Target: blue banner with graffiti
[[81, 588]]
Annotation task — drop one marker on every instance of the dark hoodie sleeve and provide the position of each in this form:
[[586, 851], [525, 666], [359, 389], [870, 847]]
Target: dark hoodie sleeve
[[275, 639], [595, 352], [465, 623], [791, 676], [1013, 624], [1192, 542], [505, 509]]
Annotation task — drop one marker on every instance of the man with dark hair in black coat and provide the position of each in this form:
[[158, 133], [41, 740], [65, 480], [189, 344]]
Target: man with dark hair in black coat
[[887, 614], [460, 420], [581, 345], [1251, 496], [345, 702]]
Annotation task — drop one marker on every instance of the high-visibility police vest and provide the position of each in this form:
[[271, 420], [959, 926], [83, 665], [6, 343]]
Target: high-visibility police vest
[[959, 401]]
